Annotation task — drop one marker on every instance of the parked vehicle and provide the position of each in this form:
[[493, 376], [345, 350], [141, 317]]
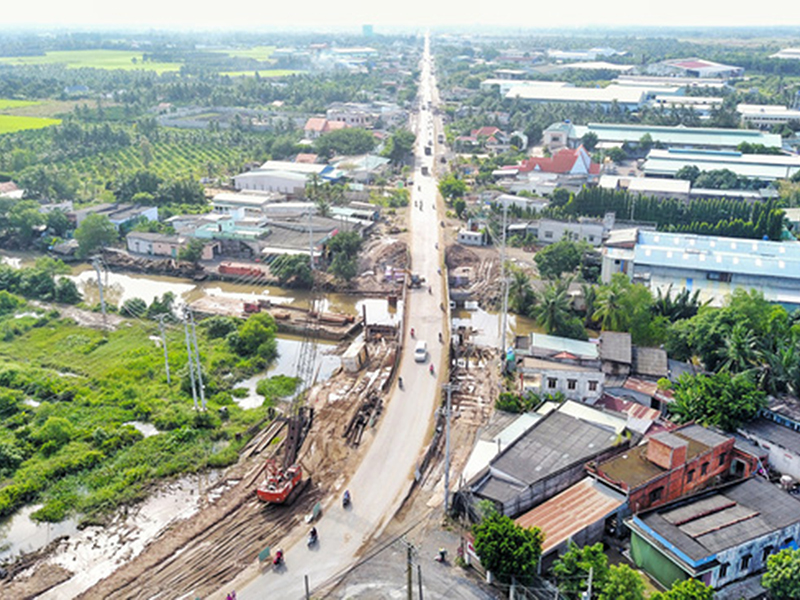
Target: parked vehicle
[[279, 483]]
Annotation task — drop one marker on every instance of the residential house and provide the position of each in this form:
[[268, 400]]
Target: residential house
[[549, 377], [650, 363], [120, 215], [616, 353], [718, 537], [533, 205], [566, 161], [544, 461], [468, 237], [552, 347], [777, 431], [319, 126], [159, 245], [673, 464]]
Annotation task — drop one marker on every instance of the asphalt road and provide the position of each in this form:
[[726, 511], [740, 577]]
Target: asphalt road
[[386, 472]]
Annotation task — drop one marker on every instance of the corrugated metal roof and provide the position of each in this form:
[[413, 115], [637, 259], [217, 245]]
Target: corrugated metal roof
[[700, 528], [721, 254], [680, 136], [572, 511], [561, 344], [616, 346], [759, 166]]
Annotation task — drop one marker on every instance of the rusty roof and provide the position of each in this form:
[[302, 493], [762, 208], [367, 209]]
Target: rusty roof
[[571, 511]]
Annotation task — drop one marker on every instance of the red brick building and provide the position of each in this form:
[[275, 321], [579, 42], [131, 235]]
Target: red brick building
[[670, 465]]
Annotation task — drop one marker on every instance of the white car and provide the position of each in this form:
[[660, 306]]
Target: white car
[[421, 351]]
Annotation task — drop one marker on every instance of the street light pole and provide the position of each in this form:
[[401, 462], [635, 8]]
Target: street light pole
[[449, 388]]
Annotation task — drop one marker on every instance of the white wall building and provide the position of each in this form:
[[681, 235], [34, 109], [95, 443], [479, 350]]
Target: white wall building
[[766, 115], [547, 377]]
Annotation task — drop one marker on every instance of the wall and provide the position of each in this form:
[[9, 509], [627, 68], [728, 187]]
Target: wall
[[553, 231], [782, 460], [562, 378], [755, 548], [675, 482]]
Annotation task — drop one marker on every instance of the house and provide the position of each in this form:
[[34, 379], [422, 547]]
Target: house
[[581, 514], [120, 215], [777, 431], [719, 537], [566, 161], [533, 205], [548, 377], [472, 238], [640, 419], [319, 126], [362, 169], [306, 158], [544, 461], [713, 265], [9, 189], [154, 244], [491, 138], [246, 204], [764, 167], [673, 464], [550, 231], [616, 353], [552, 347], [650, 363]]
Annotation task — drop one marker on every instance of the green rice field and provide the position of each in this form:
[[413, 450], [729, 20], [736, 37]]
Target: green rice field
[[6, 105], [96, 59], [12, 123], [267, 73], [256, 52]]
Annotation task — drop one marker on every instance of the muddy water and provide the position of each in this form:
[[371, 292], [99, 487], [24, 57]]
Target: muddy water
[[488, 326], [20, 534]]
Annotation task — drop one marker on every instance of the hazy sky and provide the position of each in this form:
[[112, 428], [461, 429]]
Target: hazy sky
[[324, 14]]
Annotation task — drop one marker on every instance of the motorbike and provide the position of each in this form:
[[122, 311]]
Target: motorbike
[[412, 332], [400, 382], [312, 537], [278, 560], [441, 556], [440, 337], [431, 368], [346, 499]]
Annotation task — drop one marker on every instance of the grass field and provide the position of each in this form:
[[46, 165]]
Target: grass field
[[257, 52], [97, 59], [48, 108], [9, 105], [12, 123], [267, 73]]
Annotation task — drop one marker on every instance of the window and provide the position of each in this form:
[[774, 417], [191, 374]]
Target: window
[[724, 277], [690, 476], [722, 458], [655, 495], [723, 570], [767, 551], [592, 386], [548, 234], [745, 562], [572, 384], [551, 382], [704, 469]]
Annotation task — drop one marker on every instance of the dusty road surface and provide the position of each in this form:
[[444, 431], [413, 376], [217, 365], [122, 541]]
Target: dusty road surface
[[384, 477]]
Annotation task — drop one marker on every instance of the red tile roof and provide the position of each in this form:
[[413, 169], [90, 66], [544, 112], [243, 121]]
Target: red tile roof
[[633, 409], [486, 132], [315, 124], [693, 64], [563, 162], [306, 158], [8, 186]]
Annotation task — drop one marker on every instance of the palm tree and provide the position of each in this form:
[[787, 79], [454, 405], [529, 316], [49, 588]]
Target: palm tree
[[590, 301], [551, 310], [740, 351], [520, 292], [611, 310]]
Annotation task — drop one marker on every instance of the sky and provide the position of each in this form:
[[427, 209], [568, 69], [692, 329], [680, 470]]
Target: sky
[[351, 14]]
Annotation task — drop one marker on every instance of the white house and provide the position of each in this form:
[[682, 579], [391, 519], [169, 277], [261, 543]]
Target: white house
[[547, 377], [471, 238]]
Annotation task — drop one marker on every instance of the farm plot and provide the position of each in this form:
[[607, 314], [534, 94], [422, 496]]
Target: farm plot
[[12, 123], [96, 59]]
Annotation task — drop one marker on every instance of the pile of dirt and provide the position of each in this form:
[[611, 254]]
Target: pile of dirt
[[457, 255]]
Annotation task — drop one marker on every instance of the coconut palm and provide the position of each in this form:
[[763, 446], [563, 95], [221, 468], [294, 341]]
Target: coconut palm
[[551, 310], [740, 352], [611, 312], [520, 293]]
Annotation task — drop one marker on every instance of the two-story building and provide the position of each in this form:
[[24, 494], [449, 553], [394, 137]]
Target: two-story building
[[548, 377]]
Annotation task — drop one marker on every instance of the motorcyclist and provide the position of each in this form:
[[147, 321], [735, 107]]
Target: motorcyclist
[[430, 368], [412, 332], [400, 382], [278, 557], [313, 534], [346, 498]]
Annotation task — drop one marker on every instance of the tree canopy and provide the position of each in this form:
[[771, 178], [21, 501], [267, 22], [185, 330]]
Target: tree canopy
[[572, 570], [623, 583], [556, 259], [94, 233], [506, 549], [690, 589], [721, 399], [348, 141], [782, 578]]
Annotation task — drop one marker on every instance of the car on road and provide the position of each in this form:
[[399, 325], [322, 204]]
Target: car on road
[[421, 351]]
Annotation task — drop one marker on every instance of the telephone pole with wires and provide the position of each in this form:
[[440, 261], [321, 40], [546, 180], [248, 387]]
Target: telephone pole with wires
[[189, 358], [97, 266], [160, 319]]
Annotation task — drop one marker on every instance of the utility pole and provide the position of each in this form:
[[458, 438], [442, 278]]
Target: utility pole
[[449, 388], [409, 565], [587, 595], [96, 265], [164, 343], [197, 362], [419, 580], [505, 288], [189, 360]]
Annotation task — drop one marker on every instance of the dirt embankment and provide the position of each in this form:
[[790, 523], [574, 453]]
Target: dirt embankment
[[484, 277]]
